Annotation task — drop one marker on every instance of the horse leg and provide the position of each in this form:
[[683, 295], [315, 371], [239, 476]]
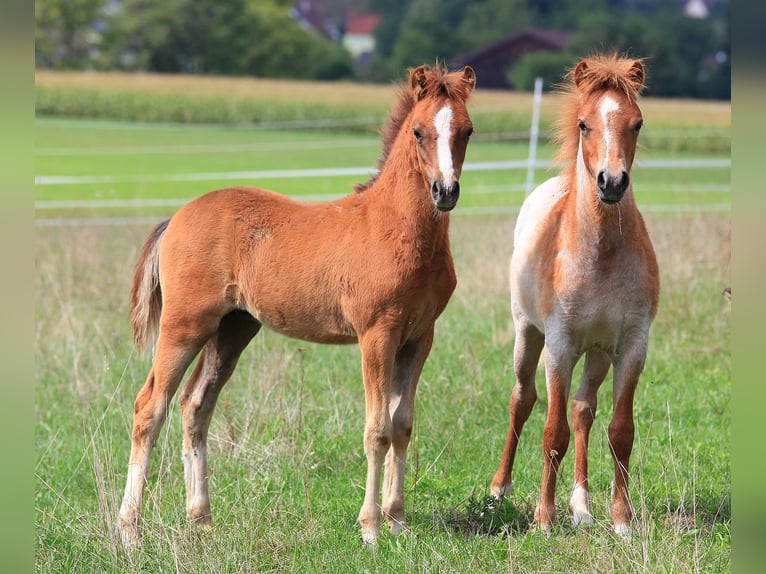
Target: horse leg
[[584, 405], [216, 364], [526, 353], [558, 374], [408, 365], [378, 352], [174, 353], [627, 370]]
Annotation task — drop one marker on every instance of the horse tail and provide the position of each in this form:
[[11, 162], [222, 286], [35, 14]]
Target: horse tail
[[146, 294]]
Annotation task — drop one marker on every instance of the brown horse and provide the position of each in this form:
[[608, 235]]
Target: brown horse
[[584, 280], [373, 267]]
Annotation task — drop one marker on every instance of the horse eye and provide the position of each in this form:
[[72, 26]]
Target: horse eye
[[583, 127], [638, 126], [418, 135]]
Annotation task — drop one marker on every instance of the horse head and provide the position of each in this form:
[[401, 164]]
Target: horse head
[[440, 126], [609, 120]]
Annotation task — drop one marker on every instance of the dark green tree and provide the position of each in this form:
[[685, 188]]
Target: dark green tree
[[168, 36], [228, 37], [550, 66], [676, 47], [279, 47], [428, 33], [66, 34], [486, 21]]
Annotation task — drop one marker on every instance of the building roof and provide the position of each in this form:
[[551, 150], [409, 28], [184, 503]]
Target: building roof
[[492, 62], [361, 24], [556, 40]]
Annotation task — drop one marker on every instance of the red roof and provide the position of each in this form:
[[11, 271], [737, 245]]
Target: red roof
[[362, 24]]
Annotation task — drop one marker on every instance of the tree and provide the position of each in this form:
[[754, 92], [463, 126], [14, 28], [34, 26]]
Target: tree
[[168, 36], [489, 20], [65, 32], [229, 37], [279, 47], [428, 33], [677, 49], [550, 66]]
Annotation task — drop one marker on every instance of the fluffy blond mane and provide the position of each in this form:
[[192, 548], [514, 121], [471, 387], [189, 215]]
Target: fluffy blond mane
[[596, 73]]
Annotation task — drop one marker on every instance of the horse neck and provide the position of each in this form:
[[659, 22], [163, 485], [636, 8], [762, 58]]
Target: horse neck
[[401, 190], [604, 228]]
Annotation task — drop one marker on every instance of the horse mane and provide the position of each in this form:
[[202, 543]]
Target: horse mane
[[438, 82], [603, 72]]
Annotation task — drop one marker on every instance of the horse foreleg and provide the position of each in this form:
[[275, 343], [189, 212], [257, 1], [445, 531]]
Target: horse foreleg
[[555, 434], [621, 431], [583, 413], [378, 352], [526, 354], [407, 368], [170, 362]]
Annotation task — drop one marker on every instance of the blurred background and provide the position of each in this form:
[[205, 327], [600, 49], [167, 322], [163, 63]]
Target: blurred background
[[509, 42]]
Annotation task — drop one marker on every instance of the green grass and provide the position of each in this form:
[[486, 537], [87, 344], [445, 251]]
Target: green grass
[[138, 157], [287, 466]]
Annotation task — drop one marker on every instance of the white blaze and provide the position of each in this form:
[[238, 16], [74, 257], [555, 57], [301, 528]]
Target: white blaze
[[443, 125], [608, 107]]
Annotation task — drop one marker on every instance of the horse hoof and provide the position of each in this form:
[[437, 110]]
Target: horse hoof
[[201, 521], [369, 539], [129, 537], [544, 528], [622, 530], [399, 528], [581, 518], [499, 492]]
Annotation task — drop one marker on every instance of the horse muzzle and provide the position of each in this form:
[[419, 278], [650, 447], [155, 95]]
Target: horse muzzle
[[611, 188], [445, 198]]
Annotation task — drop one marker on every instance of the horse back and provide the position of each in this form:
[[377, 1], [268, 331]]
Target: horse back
[[322, 272]]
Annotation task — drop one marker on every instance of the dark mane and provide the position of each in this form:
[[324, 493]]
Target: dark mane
[[603, 72], [439, 82]]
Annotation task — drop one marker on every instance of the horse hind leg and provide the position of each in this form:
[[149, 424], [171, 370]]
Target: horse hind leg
[[584, 406], [172, 357], [526, 354], [198, 399]]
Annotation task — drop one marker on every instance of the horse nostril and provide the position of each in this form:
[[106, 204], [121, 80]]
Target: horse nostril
[[601, 180], [455, 188], [624, 180]]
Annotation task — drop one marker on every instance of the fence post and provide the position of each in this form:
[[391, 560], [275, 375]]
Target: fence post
[[534, 130]]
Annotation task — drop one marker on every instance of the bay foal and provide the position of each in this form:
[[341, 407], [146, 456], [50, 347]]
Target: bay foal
[[584, 280], [373, 267]]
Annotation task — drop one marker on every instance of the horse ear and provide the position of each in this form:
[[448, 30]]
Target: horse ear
[[579, 72], [637, 74], [418, 82], [469, 77]]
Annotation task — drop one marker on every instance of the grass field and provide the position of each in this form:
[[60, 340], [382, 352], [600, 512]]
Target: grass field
[[109, 162], [286, 459], [255, 128], [287, 466]]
